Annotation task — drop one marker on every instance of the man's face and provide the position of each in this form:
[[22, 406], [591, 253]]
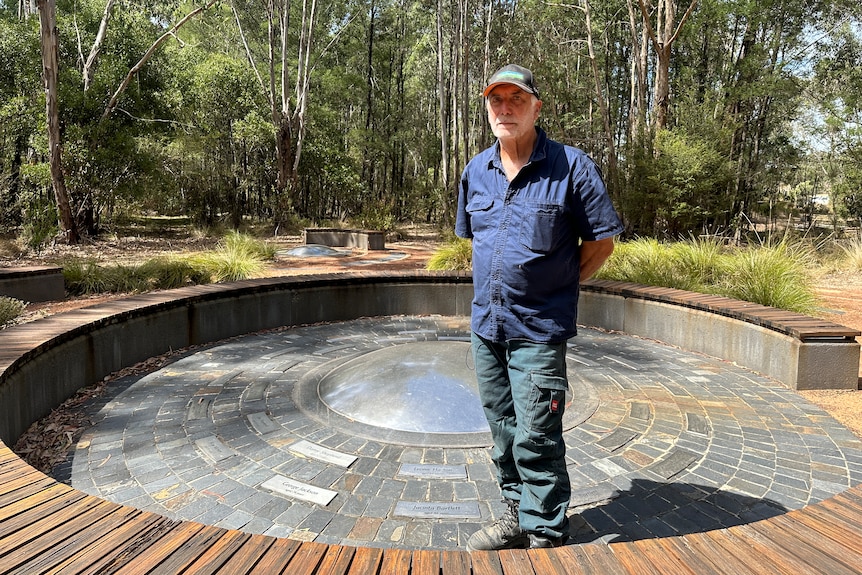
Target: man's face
[[512, 112]]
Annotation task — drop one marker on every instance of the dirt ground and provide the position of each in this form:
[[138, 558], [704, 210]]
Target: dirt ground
[[841, 295]]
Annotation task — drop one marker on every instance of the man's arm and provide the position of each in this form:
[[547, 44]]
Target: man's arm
[[593, 255]]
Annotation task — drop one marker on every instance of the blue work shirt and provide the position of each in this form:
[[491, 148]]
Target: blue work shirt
[[526, 236]]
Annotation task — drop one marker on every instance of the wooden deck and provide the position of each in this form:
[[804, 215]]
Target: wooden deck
[[47, 527]]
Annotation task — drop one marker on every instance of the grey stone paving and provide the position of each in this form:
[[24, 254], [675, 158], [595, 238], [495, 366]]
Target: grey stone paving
[[677, 443]]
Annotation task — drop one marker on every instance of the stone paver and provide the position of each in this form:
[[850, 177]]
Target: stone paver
[[673, 443]]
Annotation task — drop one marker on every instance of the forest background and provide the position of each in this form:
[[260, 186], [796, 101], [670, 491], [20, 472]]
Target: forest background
[[708, 117]]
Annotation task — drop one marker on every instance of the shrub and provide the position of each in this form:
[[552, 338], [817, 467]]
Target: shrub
[[10, 309]]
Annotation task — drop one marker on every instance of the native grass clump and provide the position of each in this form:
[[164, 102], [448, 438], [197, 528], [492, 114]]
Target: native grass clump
[[10, 309], [455, 254], [236, 257], [778, 274]]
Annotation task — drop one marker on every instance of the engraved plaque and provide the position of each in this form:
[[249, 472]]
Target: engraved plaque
[[323, 454], [427, 471], [432, 510], [296, 490], [262, 423], [213, 448]]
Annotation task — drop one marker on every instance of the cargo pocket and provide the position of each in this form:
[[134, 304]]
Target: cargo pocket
[[547, 404]]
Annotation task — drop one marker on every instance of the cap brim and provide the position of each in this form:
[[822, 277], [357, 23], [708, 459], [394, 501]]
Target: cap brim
[[524, 87]]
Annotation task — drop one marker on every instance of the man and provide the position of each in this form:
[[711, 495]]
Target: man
[[540, 219]]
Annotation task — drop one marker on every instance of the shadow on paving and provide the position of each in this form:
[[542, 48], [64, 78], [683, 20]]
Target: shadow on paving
[[650, 510]]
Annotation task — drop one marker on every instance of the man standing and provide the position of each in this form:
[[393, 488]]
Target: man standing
[[541, 221]]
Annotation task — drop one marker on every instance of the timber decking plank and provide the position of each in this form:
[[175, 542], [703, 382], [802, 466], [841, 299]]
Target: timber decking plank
[[337, 561], [366, 560], [190, 551], [22, 486], [758, 544], [454, 563], [425, 562], [485, 563], [247, 555], [306, 559], [516, 562], [92, 558], [603, 560], [32, 542], [702, 555], [215, 556], [662, 558], [553, 562], [640, 563], [826, 550], [575, 560], [58, 552], [792, 548], [836, 528], [30, 499], [396, 561], [37, 521], [276, 557], [733, 547], [145, 559]]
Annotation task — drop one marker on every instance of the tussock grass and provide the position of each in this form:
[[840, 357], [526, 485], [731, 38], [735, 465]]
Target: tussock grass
[[10, 309], [852, 254], [237, 257], [775, 274], [455, 254]]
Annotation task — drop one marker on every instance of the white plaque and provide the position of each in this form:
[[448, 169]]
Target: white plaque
[[429, 471], [296, 490], [324, 454], [432, 510]]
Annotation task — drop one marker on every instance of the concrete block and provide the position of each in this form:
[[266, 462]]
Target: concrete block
[[33, 284]]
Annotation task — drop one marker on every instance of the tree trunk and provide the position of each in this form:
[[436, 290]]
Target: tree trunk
[[50, 51], [90, 64], [613, 171], [442, 94], [663, 36]]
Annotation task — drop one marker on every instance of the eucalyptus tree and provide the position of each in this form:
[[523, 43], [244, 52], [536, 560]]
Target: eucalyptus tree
[[23, 187]]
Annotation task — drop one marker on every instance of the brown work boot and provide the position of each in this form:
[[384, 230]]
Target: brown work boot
[[504, 533], [543, 541]]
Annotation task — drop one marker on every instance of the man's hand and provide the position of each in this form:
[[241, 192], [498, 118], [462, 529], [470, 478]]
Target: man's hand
[[593, 255]]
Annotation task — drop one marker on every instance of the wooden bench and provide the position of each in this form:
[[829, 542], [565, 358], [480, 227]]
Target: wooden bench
[[47, 527]]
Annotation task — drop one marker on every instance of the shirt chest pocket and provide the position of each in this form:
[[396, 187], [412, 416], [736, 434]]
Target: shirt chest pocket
[[540, 226], [479, 208]]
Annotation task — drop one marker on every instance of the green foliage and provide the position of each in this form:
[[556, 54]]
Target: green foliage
[[680, 187], [774, 275], [456, 254], [10, 309], [237, 257], [852, 254], [41, 223], [771, 275]]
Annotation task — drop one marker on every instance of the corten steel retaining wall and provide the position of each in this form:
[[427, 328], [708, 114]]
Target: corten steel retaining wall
[[44, 362]]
